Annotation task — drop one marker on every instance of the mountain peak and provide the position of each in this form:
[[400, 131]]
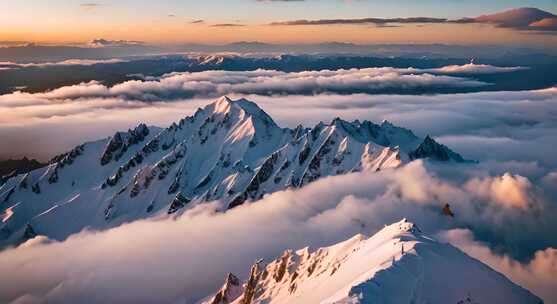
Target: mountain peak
[[224, 104], [230, 150], [401, 227], [431, 149], [230, 291], [398, 264]]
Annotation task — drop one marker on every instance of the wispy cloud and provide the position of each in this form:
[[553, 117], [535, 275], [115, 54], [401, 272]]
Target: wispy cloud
[[70, 62], [90, 6], [101, 42], [268, 82], [227, 25], [522, 19], [377, 21]]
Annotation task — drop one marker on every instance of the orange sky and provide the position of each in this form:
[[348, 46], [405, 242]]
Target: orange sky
[[169, 21], [53, 31]]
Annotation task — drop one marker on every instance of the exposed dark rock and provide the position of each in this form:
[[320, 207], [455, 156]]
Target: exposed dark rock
[[10, 192], [265, 172], [238, 200], [166, 146], [314, 171], [114, 145], [176, 183], [226, 293], [152, 146], [53, 178], [24, 181], [430, 149], [281, 270], [28, 234], [285, 165], [113, 180], [150, 207], [12, 167], [205, 181], [251, 285], [36, 188], [68, 158], [108, 211], [304, 154], [178, 203], [119, 143]]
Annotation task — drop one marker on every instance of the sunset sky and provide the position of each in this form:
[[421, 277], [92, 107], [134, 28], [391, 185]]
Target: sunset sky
[[189, 21]]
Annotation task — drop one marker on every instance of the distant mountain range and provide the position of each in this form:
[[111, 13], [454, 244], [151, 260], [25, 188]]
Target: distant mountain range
[[231, 150], [40, 77]]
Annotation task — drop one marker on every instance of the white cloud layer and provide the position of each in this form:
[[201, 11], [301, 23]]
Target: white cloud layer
[[7, 65], [262, 82], [502, 126], [473, 68], [508, 201]]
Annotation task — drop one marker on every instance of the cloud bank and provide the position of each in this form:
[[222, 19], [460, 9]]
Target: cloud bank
[[521, 19], [165, 261], [376, 21], [505, 206], [270, 82], [70, 62], [472, 68], [504, 126]]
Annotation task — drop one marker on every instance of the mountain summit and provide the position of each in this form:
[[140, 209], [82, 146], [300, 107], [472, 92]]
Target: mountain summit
[[399, 264], [231, 151]]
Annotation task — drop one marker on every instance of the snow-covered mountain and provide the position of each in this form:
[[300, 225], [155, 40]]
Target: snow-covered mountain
[[230, 151], [399, 264]]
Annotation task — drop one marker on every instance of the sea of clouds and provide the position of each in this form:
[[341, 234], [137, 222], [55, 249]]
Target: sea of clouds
[[505, 206], [165, 261]]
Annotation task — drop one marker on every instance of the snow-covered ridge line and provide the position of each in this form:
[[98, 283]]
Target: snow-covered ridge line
[[231, 151], [399, 264]]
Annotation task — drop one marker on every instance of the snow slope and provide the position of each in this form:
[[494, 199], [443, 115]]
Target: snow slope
[[399, 264], [230, 151]]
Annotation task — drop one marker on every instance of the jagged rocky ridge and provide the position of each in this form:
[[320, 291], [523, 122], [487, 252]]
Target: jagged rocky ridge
[[12, 167], [230, 151], [429, 148], [399, 264]]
